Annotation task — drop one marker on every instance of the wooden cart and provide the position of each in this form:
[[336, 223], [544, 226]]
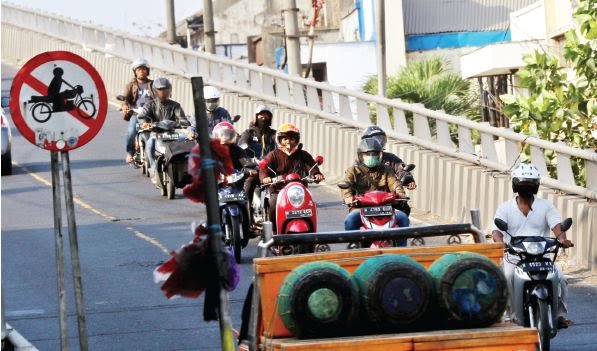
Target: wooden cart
[[267, 331]]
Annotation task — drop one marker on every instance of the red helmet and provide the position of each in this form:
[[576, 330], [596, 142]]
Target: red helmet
[[224, 131], [288, 130]]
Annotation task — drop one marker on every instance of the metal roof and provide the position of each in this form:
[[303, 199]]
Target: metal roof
[[443, 16]]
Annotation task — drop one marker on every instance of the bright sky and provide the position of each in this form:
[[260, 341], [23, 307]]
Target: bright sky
[[140, 17]]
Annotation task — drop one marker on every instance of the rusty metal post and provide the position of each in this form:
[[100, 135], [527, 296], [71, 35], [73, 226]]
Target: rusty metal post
[[74, 251]]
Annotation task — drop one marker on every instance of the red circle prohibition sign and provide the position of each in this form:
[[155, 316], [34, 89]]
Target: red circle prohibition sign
[[58, 101]]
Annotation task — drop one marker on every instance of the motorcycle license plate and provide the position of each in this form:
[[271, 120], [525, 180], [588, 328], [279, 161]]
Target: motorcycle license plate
[[541, 266], [173, 136], [378, 211], [233, 197], [299, 213]]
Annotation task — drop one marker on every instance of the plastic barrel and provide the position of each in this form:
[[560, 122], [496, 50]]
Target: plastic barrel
[[318, 299], [395, 291], [471, 290]]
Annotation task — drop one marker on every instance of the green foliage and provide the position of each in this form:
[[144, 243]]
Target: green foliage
[[558, 108], [431, 83]]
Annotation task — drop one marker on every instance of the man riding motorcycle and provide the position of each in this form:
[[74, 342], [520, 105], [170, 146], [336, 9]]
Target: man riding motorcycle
[[215, 113], [160, 109], [527, 214], [369, 174], [288, 158], [137, 93], [260, 139]]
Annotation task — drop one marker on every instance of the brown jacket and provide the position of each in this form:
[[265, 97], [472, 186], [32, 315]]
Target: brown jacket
[[131, 89], [299, 162], [363, 180]]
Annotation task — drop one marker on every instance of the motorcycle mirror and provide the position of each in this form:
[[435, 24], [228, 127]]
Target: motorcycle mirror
[[409, 167], [319, 160], [501, 224], [120, 97], [566, 224], [235, 118], [343, 185]]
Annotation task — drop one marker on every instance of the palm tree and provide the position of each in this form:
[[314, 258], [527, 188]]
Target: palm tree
[[431, 83]]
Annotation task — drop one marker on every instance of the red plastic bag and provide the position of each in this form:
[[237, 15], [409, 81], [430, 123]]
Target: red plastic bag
[[221, 155]]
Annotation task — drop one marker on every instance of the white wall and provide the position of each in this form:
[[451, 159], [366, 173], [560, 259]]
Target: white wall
[[528, 23], [349, 64]]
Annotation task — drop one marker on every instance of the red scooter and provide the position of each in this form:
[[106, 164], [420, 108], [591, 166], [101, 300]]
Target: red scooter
[[296, 211], [377, 212]]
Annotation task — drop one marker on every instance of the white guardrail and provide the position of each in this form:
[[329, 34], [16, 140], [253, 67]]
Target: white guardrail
[[333, 104]]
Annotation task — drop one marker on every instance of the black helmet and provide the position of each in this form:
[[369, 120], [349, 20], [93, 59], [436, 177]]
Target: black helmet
[[162, 83], [375, 132], [369, 152]]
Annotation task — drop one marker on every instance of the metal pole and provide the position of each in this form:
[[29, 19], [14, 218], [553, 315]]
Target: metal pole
[[74, 251], [380, 28], [209, 34], [213, 212], [170, 21], [59, 250], [293, 45], [255, 308]]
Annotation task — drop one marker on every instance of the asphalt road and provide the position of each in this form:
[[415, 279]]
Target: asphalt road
[[126, 229]]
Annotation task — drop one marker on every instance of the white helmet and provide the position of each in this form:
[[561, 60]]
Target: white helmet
[[210, 92], [525, 176], [140, 62], [262, 108]]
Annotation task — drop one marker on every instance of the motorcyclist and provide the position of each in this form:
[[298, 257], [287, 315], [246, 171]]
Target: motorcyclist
[[289, 157], [225, 133], [159, 109], [137, 93], [388, 158], [369, 174], [259, 139], [527, 214], [215, 113]]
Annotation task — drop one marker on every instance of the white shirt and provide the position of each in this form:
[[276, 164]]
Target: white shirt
[[541, 218]]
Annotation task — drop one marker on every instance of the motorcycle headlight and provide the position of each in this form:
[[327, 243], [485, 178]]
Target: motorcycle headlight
[[534, 247], [296, 196]]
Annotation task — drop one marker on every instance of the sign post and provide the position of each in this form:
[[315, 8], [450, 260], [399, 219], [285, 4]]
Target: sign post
[[59, 103]]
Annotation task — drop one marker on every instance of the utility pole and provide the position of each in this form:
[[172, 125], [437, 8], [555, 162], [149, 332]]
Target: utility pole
[[293, 45], [209, 34], [170, 21], [380, 28]]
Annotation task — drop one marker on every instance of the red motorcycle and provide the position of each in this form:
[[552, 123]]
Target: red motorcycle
[[377, 212], [296, 211]]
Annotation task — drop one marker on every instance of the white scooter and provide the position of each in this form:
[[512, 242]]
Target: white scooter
[[535, 283]]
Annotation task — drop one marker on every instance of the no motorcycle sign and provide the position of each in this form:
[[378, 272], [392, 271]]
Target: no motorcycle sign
[[58, 101]]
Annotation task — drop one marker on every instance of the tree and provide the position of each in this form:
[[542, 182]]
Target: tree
[[559, 108], [431, 83]]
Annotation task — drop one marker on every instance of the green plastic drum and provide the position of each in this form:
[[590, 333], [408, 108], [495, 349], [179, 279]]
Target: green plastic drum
[[395, 291], [318, 299], [470, 289]]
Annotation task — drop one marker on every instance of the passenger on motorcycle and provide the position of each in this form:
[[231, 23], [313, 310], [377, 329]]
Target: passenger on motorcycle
[[137, 93], [260, 139], [288, 158], [215, 113], [225, 133], [527, 214], [369, 174], [388, 158], [160, 109]]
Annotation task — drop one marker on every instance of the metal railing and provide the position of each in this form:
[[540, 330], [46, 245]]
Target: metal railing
[[350, 108]]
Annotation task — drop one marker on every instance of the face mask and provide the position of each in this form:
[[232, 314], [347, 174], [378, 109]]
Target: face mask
[[371, 161], [261, 124], [212, 106], [526, 193]]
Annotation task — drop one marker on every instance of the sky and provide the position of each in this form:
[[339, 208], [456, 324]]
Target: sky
[[139, 17]]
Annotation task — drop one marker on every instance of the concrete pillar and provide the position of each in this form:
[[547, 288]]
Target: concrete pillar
[[209, 33], [170, 22], [293, 45], [380, 29], [396, 41]]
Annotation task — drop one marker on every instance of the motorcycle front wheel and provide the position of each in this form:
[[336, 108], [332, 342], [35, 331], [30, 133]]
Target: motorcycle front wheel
[[541, 318], [233, 230], [169, 181]]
